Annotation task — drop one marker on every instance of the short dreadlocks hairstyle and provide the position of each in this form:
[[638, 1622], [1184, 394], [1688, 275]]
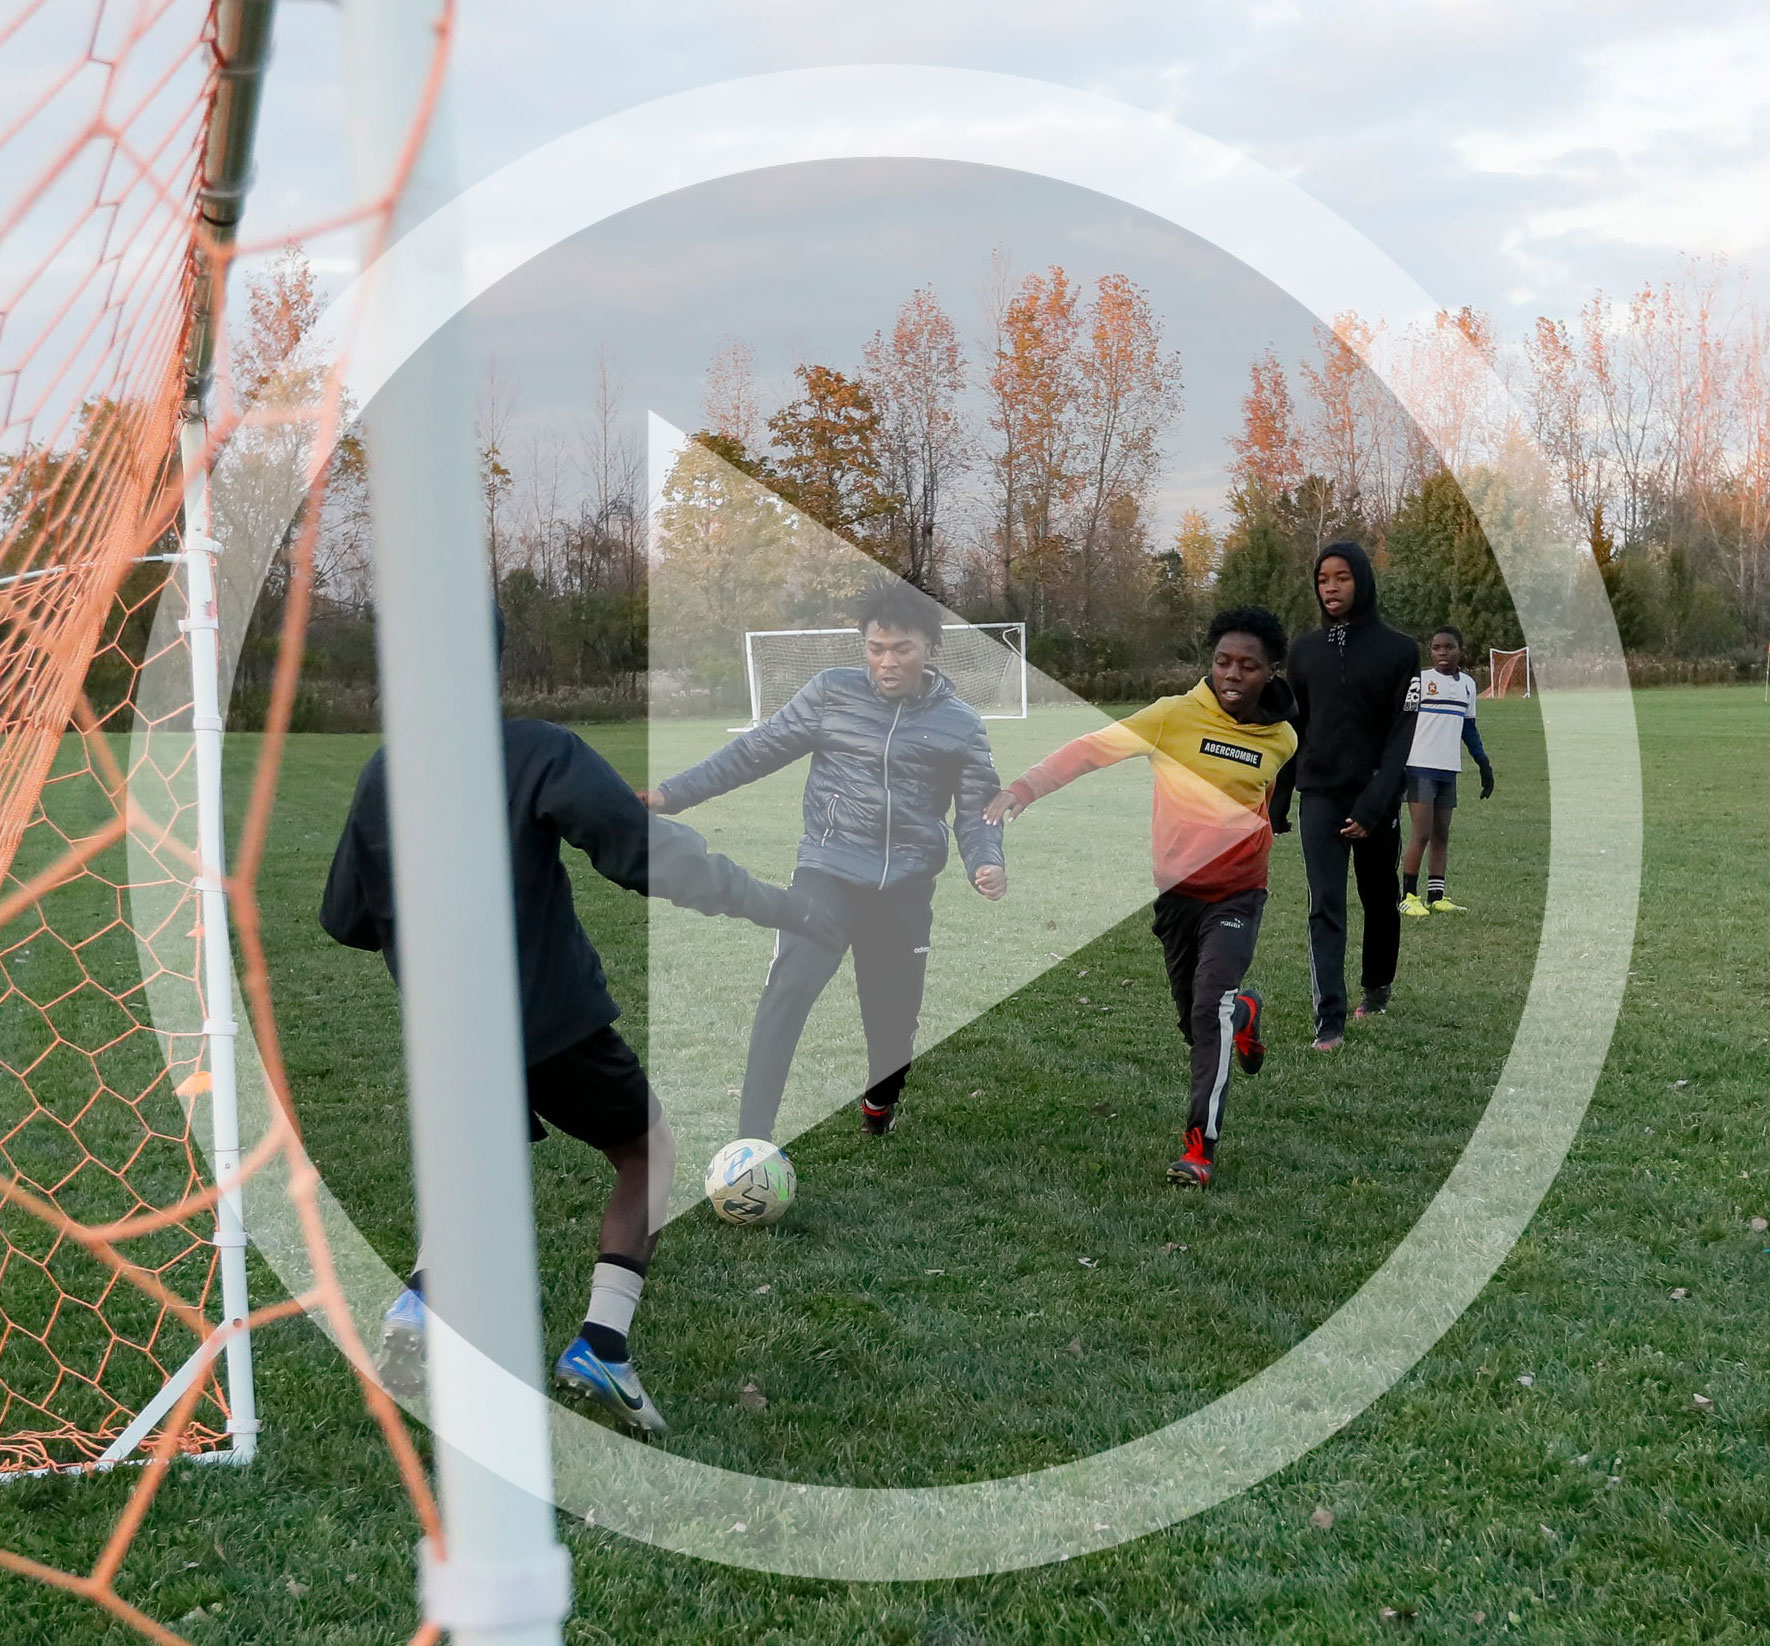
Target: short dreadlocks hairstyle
[[894, 604], [1254, 620]]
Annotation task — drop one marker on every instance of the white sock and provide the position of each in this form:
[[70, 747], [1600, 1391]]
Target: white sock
[[614, 1295]]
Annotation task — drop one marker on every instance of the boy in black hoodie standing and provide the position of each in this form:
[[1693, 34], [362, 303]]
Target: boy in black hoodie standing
[[1357, 686]]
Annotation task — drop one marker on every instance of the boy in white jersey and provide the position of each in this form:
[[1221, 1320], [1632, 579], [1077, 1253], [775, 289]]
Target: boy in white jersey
[[1446, 723]]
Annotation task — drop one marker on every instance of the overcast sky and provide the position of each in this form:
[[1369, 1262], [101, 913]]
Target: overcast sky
[[1513, 156]]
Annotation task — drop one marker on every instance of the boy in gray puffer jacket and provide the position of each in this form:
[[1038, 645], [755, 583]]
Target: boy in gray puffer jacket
[[893, 749]]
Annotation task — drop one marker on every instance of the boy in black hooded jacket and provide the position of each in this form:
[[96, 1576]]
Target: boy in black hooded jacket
[[1357, 686]]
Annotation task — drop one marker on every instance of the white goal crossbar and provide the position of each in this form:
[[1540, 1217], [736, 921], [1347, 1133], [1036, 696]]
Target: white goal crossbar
[[986, 663]]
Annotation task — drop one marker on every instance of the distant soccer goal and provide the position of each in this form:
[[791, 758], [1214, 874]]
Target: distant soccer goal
[[986, 663], [1508, 673]]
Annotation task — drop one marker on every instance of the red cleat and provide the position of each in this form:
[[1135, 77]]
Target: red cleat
[[1250, 1049], [1193, 1169]]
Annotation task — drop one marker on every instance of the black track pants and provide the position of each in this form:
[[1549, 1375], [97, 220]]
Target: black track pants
[[1208, 948], [889, 932], [1374, 863]]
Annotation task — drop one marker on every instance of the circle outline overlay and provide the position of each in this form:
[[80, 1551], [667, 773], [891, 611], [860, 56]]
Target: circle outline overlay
[[1441, 1265]]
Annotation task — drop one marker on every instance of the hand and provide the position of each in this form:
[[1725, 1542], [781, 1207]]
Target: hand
[[653, 799], [1281, 825], [1354, 830], [1004, 808], [1486, 781], [992, 880]]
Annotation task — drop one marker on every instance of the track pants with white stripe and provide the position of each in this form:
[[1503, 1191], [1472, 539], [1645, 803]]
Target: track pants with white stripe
[[1208, 948], [889, 934]]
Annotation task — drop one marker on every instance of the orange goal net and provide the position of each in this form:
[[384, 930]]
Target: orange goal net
[[124, 1324]]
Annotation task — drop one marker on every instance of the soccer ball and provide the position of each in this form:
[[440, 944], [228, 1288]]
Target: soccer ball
[[751, 1181]]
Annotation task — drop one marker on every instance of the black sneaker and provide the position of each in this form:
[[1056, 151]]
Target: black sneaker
[[1375, 1002], [877, 1119], [1250, 1049]]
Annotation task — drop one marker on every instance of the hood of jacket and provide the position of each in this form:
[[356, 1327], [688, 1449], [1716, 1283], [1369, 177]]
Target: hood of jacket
[[1364, 583]]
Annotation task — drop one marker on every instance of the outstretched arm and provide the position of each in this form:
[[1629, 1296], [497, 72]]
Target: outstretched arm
[[778, 741], [587, 801], [1123, 740]]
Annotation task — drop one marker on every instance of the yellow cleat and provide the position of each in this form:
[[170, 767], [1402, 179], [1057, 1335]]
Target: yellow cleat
[[1414, 906], [1443, 905]]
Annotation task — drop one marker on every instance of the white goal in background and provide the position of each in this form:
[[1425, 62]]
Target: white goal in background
[[986, 663], [1508, 673]]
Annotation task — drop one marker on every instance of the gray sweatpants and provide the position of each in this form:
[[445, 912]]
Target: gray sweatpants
[[889, 933], [1208, 948]]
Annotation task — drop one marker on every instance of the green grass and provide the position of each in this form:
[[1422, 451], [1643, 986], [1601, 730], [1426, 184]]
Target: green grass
[[1595, 1504]]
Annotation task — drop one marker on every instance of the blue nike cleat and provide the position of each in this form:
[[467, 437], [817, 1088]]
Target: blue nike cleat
[[612, 1385], [401, 1362]]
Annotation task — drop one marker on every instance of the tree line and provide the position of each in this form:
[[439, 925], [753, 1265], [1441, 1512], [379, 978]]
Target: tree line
[[1013, 473]]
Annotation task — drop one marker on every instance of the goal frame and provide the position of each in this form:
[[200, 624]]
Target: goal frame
[[1493, 669], [1011, 635]]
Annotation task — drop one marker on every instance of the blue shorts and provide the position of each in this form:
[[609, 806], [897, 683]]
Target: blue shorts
[[1435, 789]]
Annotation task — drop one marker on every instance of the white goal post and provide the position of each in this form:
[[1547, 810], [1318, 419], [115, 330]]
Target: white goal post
[[1506, 669], [986, 663]]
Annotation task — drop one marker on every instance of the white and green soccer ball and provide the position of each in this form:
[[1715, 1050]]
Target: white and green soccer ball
[[751, 1181]]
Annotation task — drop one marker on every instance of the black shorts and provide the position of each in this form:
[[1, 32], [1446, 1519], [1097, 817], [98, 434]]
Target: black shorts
[[595, 1090], [1435, 789]]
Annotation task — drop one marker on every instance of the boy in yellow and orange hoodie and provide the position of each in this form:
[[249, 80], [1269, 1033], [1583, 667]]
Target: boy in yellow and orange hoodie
[[1216, 752]]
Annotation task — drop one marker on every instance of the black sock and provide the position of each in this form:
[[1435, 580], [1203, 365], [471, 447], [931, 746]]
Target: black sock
[[415, 1282], [605, 1342], [1410, 885], [1434, 890]]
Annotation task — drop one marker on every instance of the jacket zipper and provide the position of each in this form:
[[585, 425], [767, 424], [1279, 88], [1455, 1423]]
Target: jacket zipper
[[886, 871], [829, 820]]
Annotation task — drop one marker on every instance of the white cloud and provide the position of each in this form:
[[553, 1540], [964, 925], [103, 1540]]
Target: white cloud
[[1651, 101]]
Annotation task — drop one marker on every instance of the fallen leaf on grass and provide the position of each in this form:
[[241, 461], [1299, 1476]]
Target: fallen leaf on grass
[[1702, 1402], [751, 1399], [1081, 1000], [1074, 1345], [1406, 1614], [1526, 1380], [978, 1092], [296, 1587], [1679, 1292], [1127, 982], [1083, 972], [1547, 1531], [1760, 1224], [934, 1271], [1174, 1246], [195, 1615], [1324, 1518], [1089, 1262], [1480, 1617]]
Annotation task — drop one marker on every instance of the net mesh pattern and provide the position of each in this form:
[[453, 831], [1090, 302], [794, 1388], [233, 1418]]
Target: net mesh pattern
[[108, 1265]]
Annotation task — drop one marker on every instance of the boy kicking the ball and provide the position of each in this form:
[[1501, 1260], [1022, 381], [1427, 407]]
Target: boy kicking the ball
[[583, 1078], [1217, 752], [893, 749]]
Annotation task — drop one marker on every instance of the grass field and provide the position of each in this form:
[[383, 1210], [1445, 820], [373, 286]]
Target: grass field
[[927, 1317]]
